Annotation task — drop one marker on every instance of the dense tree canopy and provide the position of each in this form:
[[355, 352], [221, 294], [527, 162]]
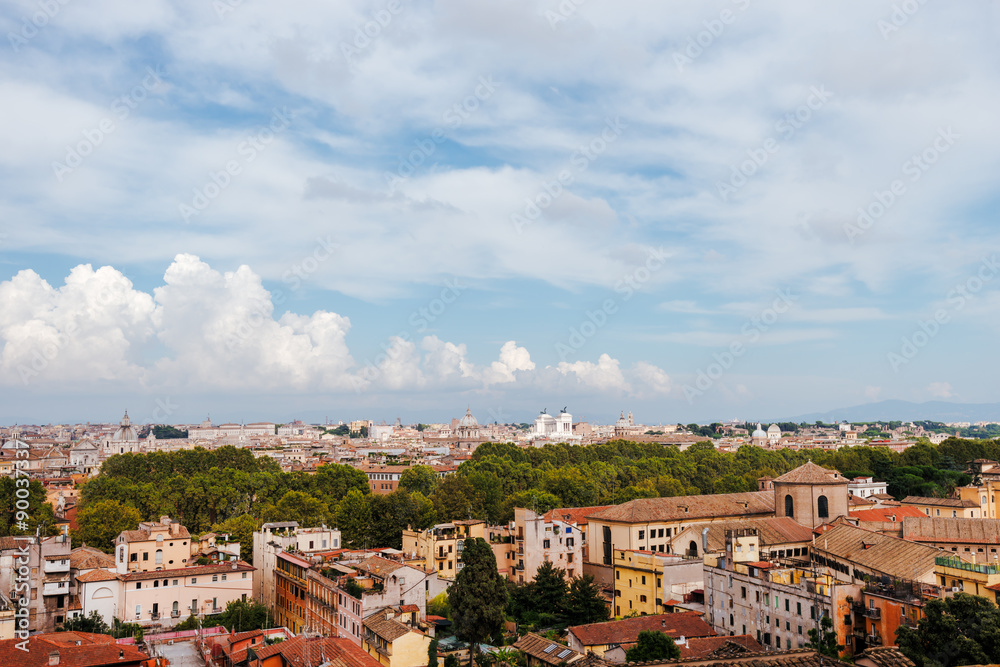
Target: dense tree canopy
[[962, 630]]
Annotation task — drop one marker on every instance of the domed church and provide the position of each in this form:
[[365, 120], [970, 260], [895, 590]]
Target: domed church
[[124, 441]]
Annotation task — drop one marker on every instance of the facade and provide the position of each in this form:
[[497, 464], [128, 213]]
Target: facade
[[811, 495], [645, 581], [864, 487], [944, 507], [383, 479], [291, 604], [123, 441], [547, 426], [558, 536], [395, 643], [440, 547], [274, 538], [390, 583], [983, 496], [49, 561], [654, 524], [776, 604], [166, 597], [156, 545]]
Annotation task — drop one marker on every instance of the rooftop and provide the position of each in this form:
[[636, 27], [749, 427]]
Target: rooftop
[[677, 625], [678, 508]]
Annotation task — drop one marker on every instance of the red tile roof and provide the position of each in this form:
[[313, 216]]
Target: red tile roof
[[92, 651], [195, 571], [312, 652], [687, 508], [574, 515], [718, 647], [682, 624], [886, 514]]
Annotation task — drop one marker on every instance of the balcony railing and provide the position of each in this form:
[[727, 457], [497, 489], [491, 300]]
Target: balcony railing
[[175, 613], [874, 640], [873, 613], [154, 615]]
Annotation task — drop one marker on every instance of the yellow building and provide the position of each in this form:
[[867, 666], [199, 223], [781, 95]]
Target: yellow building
[[440, 548], [156, 545], [956, 508], [638, 582], [958, 576], [394, 644], [984, 497]]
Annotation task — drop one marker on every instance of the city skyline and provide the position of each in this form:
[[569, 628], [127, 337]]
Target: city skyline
[[401, 211]]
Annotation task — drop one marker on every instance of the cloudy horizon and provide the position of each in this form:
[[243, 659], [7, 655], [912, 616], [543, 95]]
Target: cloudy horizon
[[696, 212]]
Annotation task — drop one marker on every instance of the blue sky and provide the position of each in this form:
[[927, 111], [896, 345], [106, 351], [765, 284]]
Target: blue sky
[[694, 211]]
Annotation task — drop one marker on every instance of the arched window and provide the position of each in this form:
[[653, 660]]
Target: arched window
[[789, 506], [693, 548], [822, 507], [159, 556]]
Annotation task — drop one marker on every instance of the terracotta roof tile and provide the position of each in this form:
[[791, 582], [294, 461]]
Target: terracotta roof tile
[[810, 473], [951, 529], [546, 650], [886, 514], [92, 651], [681, 508], [682, 624], [312, 652]]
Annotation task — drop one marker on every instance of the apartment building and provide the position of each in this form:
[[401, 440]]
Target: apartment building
[[776, 604], [440, 547], [394, 640], [275, 538], [48, 560], [164, 597], [599, 638], [645, 581], [975, 540], [155, 545], [956, 508], [558, 536]]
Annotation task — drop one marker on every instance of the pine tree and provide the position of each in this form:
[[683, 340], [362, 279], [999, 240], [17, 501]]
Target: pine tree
[[584, 601], [479, 595], [653, 645]]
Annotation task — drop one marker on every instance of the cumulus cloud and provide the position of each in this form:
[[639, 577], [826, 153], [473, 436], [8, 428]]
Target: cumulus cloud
[[512, 359]]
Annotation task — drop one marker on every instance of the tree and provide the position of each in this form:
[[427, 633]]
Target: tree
[[456, 498], [38, 514], [584, 602], [93, 623], [241, 528], [335, 481], [549, 595], [961, 630], [353, 517], [301, 507], [451, 660], [432, 653], [244, 615], [653, 645], [419, 478], [825, 639], [479, 595], [100, 523]]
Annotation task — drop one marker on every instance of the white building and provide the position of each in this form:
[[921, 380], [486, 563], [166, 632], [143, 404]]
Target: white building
[[773, 434], [124, 441], [272, 539], [863, 487], [558, 536], [547, 426]]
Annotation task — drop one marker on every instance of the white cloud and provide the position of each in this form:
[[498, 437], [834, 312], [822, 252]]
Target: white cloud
[[940, 390], [512, 359], [605, 374]]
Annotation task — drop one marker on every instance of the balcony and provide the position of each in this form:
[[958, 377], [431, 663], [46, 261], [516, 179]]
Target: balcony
[[873, 613], [57, 566], [176, 613], [874, 640], [154, 615]]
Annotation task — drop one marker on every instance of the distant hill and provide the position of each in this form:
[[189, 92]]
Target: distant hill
[[940, 411]]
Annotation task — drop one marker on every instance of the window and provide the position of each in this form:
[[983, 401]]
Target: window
[[223, 577], [194, 580], [743, 592], [787, 603], [545, 544], [954, 513], [789, 506], [215, 577], [145, 555], [133, 558], [138, 585], [642, 534], [643, 580], [175, 582], [159, 556], [822, 507]]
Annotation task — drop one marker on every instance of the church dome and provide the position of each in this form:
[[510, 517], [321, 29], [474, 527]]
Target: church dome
[[468, 421], [774, 428], [759, 433], [126, 432]]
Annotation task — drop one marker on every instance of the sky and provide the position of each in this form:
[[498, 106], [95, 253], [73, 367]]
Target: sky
[[694, 211]]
